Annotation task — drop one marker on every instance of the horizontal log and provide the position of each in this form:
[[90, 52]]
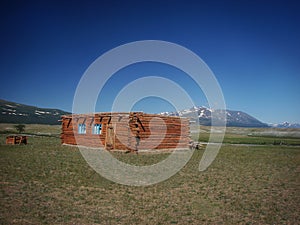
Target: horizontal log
[[173, 130]]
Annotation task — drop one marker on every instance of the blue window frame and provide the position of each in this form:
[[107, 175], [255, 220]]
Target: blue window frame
[[81, 128], [97, 128]]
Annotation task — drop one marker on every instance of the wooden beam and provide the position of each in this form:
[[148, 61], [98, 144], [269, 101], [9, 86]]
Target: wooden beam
[[141, 124], [92, 121], [69, 122]]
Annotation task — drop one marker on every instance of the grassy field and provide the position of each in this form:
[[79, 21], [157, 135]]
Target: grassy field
[[46, 183], [261, 136]]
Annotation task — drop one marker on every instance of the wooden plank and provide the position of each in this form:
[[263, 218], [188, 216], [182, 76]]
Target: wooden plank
[[175, 130]]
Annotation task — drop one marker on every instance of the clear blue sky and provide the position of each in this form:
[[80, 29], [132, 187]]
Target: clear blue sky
[[252, 47]]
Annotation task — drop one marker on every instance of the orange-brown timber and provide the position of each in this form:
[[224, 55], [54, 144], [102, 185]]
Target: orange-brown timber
[[16, 140], [120, 131]]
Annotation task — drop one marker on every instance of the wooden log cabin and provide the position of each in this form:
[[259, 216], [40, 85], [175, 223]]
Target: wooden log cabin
[[16, 140], [126, 131]]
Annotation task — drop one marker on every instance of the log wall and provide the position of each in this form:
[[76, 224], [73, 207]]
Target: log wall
[[16, 140], [123, 130]]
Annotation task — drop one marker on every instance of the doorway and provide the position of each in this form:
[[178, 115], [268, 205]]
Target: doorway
[[110, 138]]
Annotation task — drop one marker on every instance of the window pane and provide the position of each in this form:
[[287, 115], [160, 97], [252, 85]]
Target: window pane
[[81, 129], [97, 128]]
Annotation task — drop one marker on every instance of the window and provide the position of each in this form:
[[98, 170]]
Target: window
[[81, 128], [97, 128]]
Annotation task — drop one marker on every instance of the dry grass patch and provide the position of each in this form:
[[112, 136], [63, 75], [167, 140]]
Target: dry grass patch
[[46, 183]]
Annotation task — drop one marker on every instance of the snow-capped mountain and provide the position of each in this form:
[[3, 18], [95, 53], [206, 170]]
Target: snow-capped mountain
[[203, 114], [11, 112], [286, 125]]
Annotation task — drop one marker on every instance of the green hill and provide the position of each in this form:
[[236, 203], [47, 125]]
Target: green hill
[[11, 112]]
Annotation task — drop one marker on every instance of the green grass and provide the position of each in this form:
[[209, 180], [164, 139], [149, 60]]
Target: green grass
[[46, 183], [32, 129], [244, 139], [261, 136]]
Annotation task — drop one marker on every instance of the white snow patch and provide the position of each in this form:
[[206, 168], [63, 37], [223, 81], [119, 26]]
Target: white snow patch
[[41, 112], [11, 110], [22, 114], [201, 114], [11, 106]]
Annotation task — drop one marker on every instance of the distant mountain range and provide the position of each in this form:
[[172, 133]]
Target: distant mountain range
[[11, 112], [286, 125], [203, 114]]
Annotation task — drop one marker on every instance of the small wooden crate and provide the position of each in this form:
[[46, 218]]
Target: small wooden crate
[[16, 140]]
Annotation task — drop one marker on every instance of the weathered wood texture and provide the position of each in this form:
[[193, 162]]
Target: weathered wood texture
[[123, 131], [16, 140]]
